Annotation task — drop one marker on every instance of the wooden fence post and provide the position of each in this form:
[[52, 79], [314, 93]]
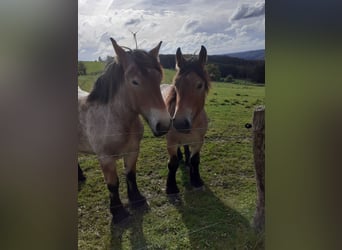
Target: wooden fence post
[[259, 164]]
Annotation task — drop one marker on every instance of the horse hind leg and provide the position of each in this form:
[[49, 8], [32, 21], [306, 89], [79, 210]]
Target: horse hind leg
[[117, 210], [81, 176], [136, 199], [187, 155], [179, 154]]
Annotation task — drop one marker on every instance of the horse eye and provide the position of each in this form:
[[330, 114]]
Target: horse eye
[[135, 82], [199, 86]]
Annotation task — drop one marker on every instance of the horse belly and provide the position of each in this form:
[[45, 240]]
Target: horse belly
[[82, 94]]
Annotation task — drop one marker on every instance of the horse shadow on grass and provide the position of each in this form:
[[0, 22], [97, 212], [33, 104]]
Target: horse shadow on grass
[[129, 230], [133, 226], [212, 224]]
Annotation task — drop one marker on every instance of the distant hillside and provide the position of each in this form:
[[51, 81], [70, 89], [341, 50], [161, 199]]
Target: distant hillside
[[249, 55]]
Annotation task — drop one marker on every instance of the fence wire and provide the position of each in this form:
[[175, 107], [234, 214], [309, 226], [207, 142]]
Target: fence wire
[[212, 138], [219, 137]]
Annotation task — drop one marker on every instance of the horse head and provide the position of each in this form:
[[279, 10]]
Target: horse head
[[191, 85], [142, 77]]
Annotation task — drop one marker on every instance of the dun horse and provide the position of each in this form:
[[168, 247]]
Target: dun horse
[[185, 100], [109, 123]]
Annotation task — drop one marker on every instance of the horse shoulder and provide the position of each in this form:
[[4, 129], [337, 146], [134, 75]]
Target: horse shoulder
[[137, 128], [200, 125], [127, 140]]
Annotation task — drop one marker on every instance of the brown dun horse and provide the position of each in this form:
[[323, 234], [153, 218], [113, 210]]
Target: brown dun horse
[[109, 123], [185, 100]]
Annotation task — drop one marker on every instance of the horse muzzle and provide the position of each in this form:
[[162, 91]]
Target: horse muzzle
[[160, 122], [161, 128], [182, 125]]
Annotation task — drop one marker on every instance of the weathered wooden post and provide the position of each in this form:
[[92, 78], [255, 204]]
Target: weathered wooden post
[[259, 164]]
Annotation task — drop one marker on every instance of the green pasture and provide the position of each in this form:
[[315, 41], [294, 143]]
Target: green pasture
[[217, 217]]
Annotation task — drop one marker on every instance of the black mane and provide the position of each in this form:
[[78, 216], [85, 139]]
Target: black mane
[[108, 84]]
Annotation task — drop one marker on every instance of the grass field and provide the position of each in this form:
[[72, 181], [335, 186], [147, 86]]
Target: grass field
[[217, 217]]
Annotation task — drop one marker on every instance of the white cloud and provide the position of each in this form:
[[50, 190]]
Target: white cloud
[[185, 24], [249, 10]]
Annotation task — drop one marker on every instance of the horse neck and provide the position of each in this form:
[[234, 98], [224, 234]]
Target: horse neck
[[122, 108]]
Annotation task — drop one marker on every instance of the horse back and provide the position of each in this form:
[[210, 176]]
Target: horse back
[[81, 93], [166, 90]]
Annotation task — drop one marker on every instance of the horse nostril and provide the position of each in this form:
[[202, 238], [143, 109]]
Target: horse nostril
[[183, 126], [161, 129], [186, 124]]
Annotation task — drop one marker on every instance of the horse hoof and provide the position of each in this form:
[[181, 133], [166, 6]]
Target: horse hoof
[[201, 188], [175, 199], [120, 215], [197, 184], [141, 201], [172, 190]]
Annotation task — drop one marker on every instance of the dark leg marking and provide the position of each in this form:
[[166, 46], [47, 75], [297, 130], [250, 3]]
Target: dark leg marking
[[81, 176], [171, 185], [134, 196], [179, 154], [195, 177], [187, 155], [116, 208]]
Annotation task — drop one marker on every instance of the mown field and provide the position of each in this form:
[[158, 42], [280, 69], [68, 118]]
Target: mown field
[[218, 217]]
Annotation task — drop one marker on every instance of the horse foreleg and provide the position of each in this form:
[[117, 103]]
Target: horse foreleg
[[195, 178], [134, 195], [81, 176], [111, 178], [171, 185]]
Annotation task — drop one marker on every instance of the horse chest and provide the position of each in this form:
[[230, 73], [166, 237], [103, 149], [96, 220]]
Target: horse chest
[[182, 139], [195, 136]]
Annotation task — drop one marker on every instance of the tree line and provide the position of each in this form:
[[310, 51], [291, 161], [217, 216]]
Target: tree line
[[222, 67]]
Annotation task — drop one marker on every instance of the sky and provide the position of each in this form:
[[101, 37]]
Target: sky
[[222, 26]]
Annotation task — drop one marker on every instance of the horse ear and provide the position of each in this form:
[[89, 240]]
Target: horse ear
[[155, 51], [180, 60], [202, 56], [122, 55]]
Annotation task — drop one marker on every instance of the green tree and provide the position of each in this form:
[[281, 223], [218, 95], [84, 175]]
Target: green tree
[[82, 70], [229, 78], [259, 73], [214, 72]]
